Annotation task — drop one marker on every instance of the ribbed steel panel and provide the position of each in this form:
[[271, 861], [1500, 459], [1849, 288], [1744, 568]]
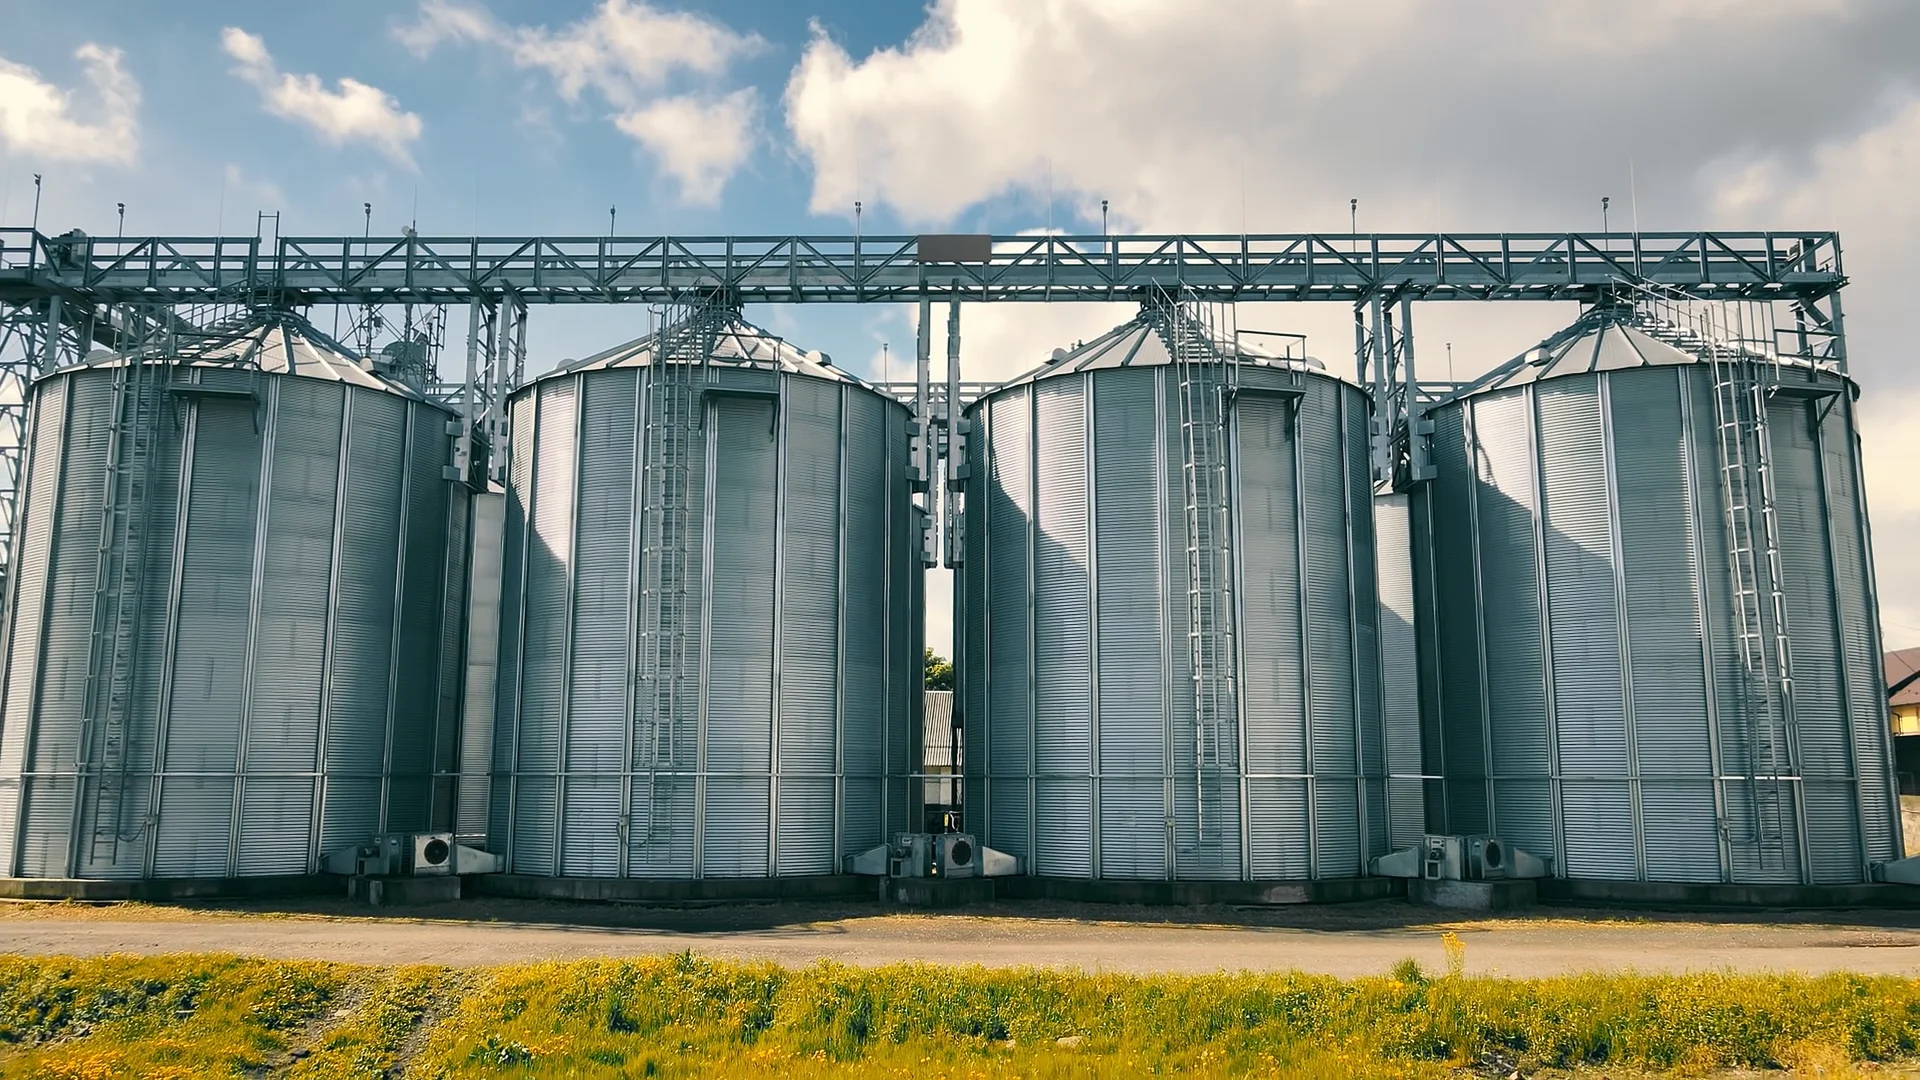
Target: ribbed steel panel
[[1273, 678], [252, 632], [1364, 618], [419, 638], [1623, 746], [46, 824], [808, 685], [600, 641], [284, 707], [590, 842], [1400, 670], [739, 692], [872, 484], [1063, 700], [1008, 719], [66, 648], [545, 623], [1859, 621], [740, 632], [204, 716], [196, 816], [1074, 603], [906, 641], [1824, 734], [798, 574], [367, 580], [1132, 686], [30, 561], [479, 700], [273, 809], [515, 551], [971, 626], [1456, 620], [1325, 450], [1662, 583]]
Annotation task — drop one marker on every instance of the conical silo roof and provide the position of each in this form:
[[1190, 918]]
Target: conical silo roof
[[280, 343], [1142, 342], [1612, 339], [736, 344]]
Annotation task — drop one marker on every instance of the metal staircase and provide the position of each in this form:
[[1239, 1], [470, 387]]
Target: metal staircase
[[139, 390], [1737, 344], [674, 440], [1208, 375]]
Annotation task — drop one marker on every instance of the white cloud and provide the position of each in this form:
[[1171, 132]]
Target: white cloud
[[626, 52], [1474, 115], [1863, 186], [623, 50], [698, 141], [356, 112], [40, 120]]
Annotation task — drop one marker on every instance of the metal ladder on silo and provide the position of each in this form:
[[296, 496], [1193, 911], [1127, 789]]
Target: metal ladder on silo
[[1207, 377], [121, 560], [1743, 445], [673, 432]]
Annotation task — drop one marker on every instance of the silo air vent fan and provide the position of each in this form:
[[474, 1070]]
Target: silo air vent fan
[[933, 855], [1461, 858], [412, 854]]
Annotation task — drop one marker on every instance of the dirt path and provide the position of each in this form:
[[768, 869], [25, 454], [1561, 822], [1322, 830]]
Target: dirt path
[[1347, 941]]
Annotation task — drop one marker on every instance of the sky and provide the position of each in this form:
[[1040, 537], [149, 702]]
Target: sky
[[776, 116]]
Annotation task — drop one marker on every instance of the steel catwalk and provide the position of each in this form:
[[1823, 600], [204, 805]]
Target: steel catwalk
[[1079, 712]]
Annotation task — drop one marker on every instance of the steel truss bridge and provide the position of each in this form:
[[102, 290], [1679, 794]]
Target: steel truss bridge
[[61, 296]]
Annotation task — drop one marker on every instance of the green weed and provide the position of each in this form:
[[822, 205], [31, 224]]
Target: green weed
[[684, 1016]]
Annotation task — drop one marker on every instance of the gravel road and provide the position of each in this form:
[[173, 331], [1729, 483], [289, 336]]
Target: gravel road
[[1347, 940]]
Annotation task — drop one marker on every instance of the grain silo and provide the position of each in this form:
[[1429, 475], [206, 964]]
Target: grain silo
[[224, 651], [1139, 510], [711, 642], [1655, 623]]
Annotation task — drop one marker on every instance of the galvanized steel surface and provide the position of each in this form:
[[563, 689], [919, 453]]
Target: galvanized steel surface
[[1581, 618], [1075, 673], [802, 620], [289, 691], [1413, 756]]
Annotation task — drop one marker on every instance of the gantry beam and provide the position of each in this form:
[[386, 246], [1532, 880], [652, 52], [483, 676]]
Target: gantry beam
[[841, 269]]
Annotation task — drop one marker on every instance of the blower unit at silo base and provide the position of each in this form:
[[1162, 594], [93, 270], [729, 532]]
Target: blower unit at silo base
[[1898, 871], [933, 855], [412, 855], [1462, 858]]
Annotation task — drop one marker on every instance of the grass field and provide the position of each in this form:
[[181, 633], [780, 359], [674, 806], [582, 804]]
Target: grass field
[[207, 1016]]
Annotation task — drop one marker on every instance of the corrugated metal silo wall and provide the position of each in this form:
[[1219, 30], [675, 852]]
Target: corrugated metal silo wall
[[1411, 725], [286, 688], [788, 747], [1076, 684], [1590, 677]]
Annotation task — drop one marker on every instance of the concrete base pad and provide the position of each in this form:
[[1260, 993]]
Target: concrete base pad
[[1250, 893], [673, 890], [1674, 894], [163, 889], [399, 891], [1511, 895], [939, 892]]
